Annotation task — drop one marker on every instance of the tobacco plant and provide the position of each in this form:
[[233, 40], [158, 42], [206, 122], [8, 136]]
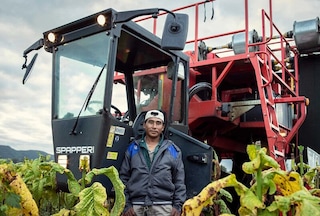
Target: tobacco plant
[[15, 196], [29, 188], [273, 191]]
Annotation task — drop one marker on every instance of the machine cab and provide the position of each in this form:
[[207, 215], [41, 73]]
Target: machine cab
[[106, 72]]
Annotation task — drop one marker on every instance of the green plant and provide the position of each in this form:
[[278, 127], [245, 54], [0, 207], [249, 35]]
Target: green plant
[[16, 195], [273, 191], [83, 198], [92, 199]]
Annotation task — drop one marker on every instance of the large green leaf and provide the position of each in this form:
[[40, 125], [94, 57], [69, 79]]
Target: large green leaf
[[92, 201], [35, 167], [194, 205], [305, 203], [268, 161], [226, 194], [252, 151], [223, 208], [308, 207], [310, 176], [281, 203], [250, 201], [113, 174], [12, 199], [56, 167], [258, 159], [37, 189], [73, 185], [252, 166]]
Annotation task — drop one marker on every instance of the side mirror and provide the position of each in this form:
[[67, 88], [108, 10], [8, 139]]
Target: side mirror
[[175, 32], [28, 68]]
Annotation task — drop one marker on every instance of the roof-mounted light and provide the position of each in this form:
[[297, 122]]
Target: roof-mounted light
[[52, 37], [101, 19]]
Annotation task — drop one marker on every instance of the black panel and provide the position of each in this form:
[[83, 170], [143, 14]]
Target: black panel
[[309, 134], [197, 159], [93, 132]]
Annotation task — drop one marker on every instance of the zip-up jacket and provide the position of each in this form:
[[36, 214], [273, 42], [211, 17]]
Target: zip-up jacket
[[161, 184]]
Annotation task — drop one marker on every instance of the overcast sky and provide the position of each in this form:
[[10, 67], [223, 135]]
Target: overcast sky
[[25, 109]]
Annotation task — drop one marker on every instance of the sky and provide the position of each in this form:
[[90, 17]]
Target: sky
[[25, 110]]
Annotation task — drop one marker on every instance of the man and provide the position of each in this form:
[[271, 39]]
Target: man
[[153, 172]]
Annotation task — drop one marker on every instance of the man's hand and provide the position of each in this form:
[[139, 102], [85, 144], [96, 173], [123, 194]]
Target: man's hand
[[175, 212], [129, 212]]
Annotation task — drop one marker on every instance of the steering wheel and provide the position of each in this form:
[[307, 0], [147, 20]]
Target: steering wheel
[[91, 106], [117, 112], [91, 109]]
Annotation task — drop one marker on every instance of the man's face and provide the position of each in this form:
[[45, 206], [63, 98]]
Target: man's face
[[153, 127]]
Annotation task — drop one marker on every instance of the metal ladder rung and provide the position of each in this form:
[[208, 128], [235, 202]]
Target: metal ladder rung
[[264, 79], [275, 127], [270, 104]]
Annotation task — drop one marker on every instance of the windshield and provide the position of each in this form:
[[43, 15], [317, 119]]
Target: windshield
[[78, 65]]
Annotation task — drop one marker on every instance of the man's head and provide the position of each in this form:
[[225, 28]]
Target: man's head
[[153, 123]]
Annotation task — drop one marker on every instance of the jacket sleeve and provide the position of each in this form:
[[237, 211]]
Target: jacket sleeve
[[178, 175], [124, 174]]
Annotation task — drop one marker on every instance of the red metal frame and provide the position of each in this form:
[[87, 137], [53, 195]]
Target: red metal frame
[[210, 122]]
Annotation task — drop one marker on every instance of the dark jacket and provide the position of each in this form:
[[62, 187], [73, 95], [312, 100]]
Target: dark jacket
[[162, 183]]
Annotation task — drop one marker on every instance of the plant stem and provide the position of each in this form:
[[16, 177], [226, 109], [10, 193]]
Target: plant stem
[[293, 210], [83, 183], [259, 174], [301, 148], [292, 162]]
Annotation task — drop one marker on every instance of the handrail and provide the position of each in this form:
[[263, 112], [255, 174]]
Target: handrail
[[264, 42]]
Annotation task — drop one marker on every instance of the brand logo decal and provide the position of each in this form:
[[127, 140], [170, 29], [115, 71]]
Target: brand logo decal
[[75, 150]]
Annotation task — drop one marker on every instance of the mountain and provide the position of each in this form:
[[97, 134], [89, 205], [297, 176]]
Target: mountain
[[6, 152]]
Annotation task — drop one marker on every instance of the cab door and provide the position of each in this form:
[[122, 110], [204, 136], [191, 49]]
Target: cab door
[[197, 160]]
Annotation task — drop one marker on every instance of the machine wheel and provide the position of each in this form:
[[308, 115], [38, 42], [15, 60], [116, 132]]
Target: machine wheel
[[201, 86]]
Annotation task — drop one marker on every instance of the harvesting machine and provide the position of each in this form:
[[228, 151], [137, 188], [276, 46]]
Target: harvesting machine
[[107, 70]]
